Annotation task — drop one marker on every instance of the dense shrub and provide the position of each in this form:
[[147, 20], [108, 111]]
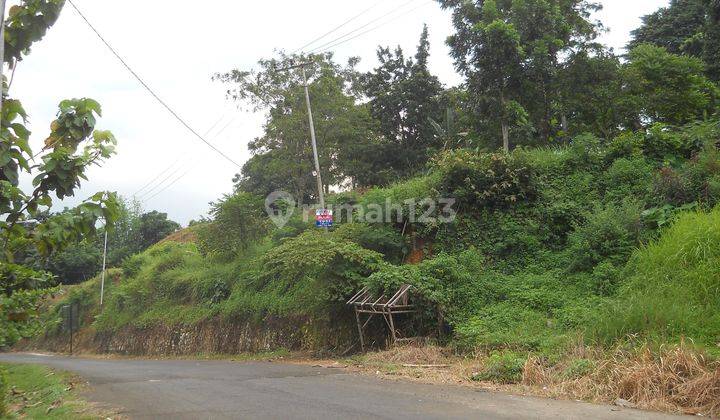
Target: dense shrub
[[308, 274], [238, 221], [504, 325], [485, 180], [628, 179], [131, 266], [502, 367], [609, 234]]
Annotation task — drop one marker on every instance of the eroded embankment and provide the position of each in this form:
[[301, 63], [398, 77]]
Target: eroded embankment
[[207, 337]]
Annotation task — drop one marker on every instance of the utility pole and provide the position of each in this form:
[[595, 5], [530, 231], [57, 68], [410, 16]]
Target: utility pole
[[312, 130], [312, 138], [102, 275]]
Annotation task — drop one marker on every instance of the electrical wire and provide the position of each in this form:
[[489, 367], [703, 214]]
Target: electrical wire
[[150, 90], [178, 159], [361, 27], [336, 28], [183, 174], [168, 176], [373, 28], [169, 185]]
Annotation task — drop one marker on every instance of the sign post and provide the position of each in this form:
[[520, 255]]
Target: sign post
[[324, 218], [70, 321]]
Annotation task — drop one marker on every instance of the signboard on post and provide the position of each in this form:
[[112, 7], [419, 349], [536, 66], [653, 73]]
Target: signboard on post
[[71, 321], [323, 218]]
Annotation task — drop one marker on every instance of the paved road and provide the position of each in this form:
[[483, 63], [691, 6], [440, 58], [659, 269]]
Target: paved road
[[183, 389]]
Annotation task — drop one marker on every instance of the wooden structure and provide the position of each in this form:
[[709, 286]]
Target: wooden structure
[[365, 303]]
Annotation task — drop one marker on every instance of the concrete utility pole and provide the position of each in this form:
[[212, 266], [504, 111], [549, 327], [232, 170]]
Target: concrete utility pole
[[321, 192], [312, 138]]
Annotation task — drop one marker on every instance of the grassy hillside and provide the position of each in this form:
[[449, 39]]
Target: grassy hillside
[[601, 242]]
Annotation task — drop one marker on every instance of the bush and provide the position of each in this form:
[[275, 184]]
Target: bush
[[381, 238], [628, 179], [610, 233], [504, 368], [605, 278], [485, 180], [441, 286], [238, 221], [131, 266], [507, 325], [311, 272]]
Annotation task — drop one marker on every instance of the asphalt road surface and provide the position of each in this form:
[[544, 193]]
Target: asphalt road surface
[[187, 389]]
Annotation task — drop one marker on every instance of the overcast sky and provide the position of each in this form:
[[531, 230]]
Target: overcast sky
[[177, 45]]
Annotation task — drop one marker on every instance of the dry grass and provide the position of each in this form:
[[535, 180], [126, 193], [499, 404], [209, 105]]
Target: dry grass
[[183, 236], [676, 379], [411, 354]]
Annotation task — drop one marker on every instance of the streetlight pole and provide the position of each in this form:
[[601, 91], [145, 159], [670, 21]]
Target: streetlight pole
[[102, 275]]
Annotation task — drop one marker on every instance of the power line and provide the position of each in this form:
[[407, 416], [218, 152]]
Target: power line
[[158, 185], [336, 28], [169, 185], [361, 27], [178, 159], [145, 85], [178, 169], [183, 174], [163, 172], [373, 28]]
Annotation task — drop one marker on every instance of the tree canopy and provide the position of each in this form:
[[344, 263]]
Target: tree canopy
[[72, 146]]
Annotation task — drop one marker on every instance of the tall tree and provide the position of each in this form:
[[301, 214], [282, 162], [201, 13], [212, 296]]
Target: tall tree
[[283, 155], [689, 27], [711, 49], [678, 28], [668, 88], [404, 98], [153, 227], [71, 148], [537, 35], [590, 94]]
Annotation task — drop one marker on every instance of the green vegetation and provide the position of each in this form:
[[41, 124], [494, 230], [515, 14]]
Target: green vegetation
[[73, 145], [672, 286], [604, 241], [586, 191], [36, 392], [132, 231], [504, 368]]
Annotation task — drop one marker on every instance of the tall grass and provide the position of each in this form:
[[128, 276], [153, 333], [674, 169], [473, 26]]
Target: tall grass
[[672, 288]]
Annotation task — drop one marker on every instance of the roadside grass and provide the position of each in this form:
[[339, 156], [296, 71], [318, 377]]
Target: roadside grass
[[37, 392], [679, 378]]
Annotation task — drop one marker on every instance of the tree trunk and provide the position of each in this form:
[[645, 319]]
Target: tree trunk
[[504, 125], [506, 137]]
